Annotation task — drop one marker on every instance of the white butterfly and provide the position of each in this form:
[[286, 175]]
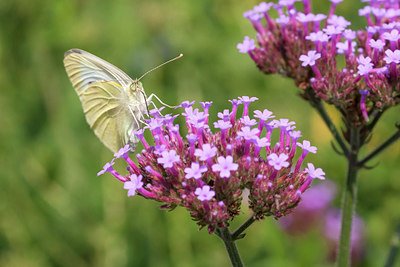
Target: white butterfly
[[113, 103]]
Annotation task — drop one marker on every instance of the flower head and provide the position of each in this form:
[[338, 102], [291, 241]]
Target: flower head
[[300, 45], [206, 172]]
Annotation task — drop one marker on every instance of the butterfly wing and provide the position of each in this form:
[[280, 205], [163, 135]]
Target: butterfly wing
[[111, 114], [84, 68]]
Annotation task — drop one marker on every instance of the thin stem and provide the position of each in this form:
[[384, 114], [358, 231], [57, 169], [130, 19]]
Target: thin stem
[[380, 148], [318, 105], [243, 227], [394, 249], [230, 246], [349, 199]]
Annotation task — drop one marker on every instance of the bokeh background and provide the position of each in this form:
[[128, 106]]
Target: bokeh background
[[56, 212]]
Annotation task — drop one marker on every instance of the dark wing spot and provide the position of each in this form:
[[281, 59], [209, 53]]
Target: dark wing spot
[[71, 51]]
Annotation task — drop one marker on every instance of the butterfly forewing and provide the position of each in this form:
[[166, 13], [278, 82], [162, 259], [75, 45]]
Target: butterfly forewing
[[84, 68], [112, 109]]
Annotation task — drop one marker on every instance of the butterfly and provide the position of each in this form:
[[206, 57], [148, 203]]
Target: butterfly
[[114, 104]]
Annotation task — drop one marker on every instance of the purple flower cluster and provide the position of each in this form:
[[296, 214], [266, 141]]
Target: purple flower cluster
[[316, 211], [206, 172], [357, 71]]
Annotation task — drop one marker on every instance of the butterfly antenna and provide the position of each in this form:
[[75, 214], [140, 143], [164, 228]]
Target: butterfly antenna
[[173, 59]]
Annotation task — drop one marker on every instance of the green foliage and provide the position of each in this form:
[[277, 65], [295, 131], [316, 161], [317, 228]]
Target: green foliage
[[56, 212]]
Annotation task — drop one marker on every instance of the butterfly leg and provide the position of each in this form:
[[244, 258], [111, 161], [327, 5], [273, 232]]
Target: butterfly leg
[[149, 100]]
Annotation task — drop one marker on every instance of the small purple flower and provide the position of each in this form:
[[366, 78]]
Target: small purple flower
[[333, 30], [223, 125], [365, 69], [204, 193], [206, 105], [206, 152], [283, 123], [265, 115], [186, 104], [247, 121], [262, 7], [344, 47], [310, 58], [134, 184], [261, 142], [304, 18], [225, 166], [225, 115], [364, 60], [155, 124], [278, 162], [338, 22], [318, 37], [247, 45], [295, 134], [349, 34], [364, 11], [168, 158], [107, 168], [283, 20], [379, 12], [392, 36], [122, 152], [247, 133], [306, 146], [392, 56], [377, 44], [247, 100], [315, 173], [195, 171]]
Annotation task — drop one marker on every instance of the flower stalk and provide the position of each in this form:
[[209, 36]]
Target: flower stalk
[[349, 199], [230, 246]]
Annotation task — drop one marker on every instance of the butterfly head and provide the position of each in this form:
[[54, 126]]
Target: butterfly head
[[136, 86]]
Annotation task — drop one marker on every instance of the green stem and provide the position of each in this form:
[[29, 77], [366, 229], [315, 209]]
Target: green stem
[[380, 148], [349, 199], [243, 227], [318, 105], [230, 246], [394, 248]]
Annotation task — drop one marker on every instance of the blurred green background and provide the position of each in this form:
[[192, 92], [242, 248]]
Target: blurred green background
[[56, 212]]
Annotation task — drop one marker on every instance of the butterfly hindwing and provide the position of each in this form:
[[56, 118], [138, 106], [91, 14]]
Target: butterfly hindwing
[[109, 114]]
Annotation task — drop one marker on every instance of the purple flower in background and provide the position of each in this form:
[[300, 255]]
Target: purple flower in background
[[312, 209], [333, 222]]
